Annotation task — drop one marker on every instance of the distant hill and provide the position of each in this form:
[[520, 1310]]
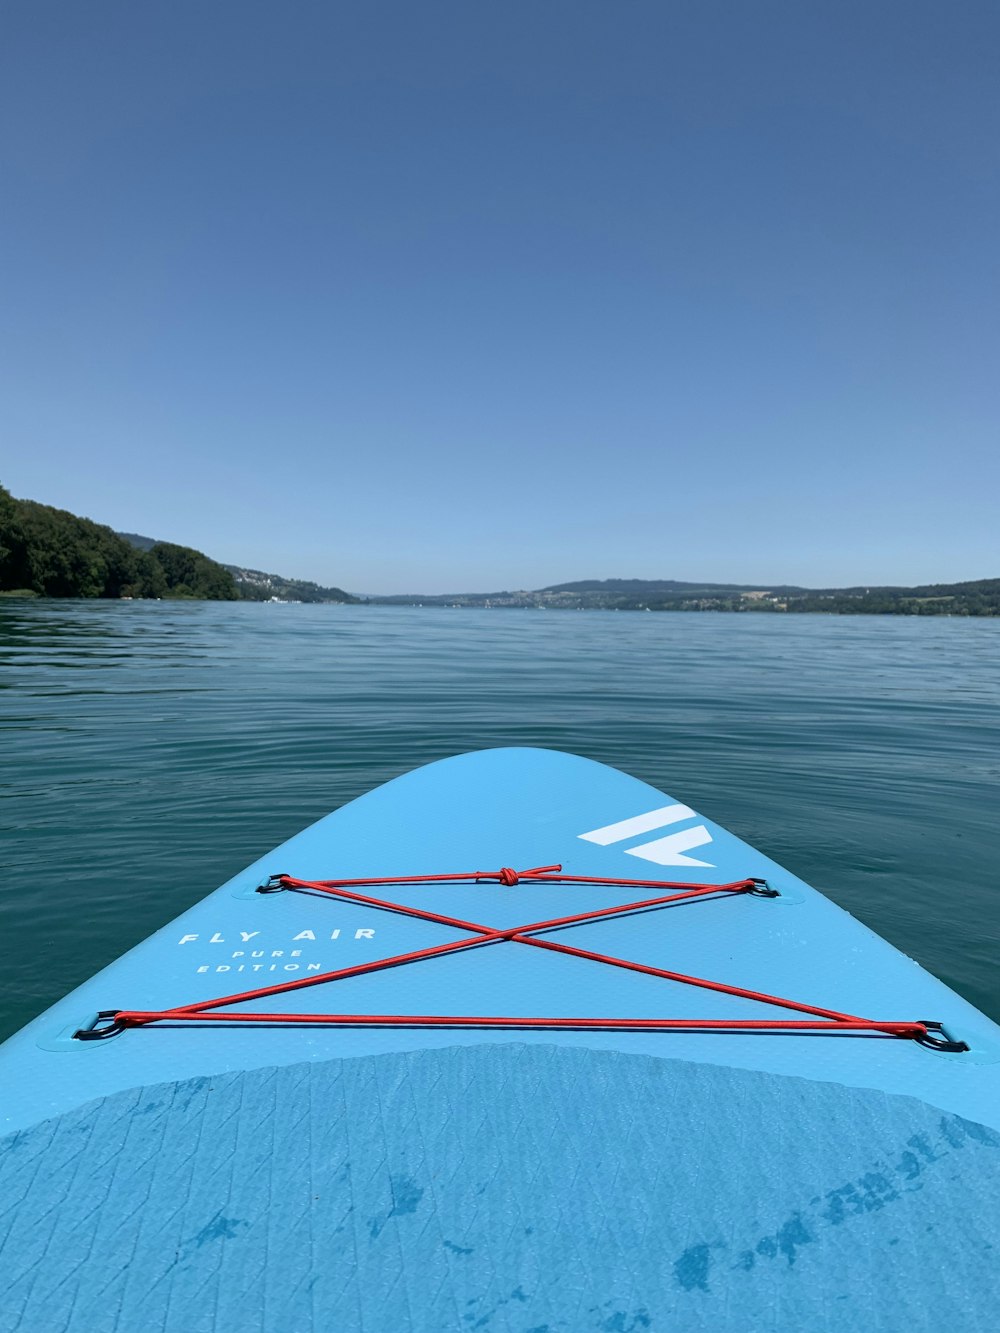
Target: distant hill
[[50, 552], [646, 588], [978, 598], [46, 552], [140, 543], [256, 586]]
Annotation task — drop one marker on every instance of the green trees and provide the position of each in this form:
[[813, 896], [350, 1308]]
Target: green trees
[[14, 572], [57, 554], [188, 573]]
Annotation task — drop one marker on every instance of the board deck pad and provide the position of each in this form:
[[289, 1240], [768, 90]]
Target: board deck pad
[[219, 1176]]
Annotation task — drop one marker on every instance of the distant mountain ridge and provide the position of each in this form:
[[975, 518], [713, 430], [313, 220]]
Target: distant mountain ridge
[[52, 553], [980, 597], [660, 587]]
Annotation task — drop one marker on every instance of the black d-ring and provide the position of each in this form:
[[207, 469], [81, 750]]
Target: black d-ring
[[942, 1043], [761, 889], [272, 884], [106, 1024]]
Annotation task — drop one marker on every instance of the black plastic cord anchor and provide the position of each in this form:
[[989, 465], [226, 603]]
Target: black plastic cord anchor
[[106, 1024], [942, 1043], [761, 889]]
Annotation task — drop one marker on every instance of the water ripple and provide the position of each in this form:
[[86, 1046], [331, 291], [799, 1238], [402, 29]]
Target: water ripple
[[150, 750]]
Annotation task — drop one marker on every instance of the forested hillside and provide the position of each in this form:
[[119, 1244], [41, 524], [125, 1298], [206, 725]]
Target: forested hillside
[[52, 553], [254, 585]]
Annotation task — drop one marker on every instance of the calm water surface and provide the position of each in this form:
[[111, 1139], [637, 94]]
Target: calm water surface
[[150, 750]]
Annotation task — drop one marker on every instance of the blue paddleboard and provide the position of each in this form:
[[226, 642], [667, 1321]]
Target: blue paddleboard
[[557, 1130]]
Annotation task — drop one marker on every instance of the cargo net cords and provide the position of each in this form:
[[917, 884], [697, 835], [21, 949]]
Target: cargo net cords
[[112, 1022]]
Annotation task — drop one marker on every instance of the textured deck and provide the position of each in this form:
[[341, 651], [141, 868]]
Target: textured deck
[[521, 808], [319, 1179], [514, 1187]]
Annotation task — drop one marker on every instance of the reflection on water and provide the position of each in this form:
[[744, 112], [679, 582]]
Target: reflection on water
[[149, 750]]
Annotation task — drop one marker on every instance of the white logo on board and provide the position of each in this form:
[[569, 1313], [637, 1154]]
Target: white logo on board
[[670, 850], [255, 953]]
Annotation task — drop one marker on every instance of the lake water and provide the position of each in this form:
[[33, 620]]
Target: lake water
[[150, 750]]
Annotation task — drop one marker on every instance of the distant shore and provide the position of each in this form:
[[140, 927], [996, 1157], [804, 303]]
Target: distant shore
[[978, 598], [46, 552]]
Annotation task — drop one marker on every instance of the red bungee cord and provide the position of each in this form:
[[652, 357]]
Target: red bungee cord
[[112, 1021]]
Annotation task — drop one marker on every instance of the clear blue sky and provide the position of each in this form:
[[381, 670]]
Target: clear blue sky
[[464, 296]]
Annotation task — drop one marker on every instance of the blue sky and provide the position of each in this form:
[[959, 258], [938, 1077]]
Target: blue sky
[[465, 296]]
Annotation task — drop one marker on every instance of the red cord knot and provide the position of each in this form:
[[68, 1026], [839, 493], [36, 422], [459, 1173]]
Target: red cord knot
[[508, 877]]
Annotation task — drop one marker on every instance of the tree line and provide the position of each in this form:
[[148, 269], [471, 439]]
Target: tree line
[[53, 553]]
